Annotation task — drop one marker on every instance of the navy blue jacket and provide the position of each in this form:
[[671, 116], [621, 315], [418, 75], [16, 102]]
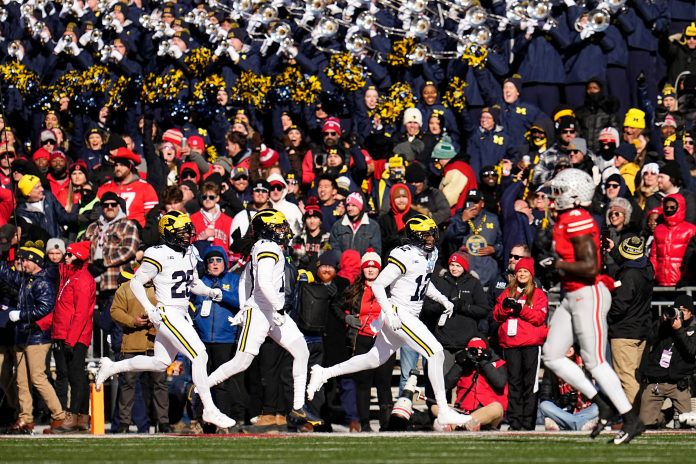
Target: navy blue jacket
[[36, 299], [54, 216]]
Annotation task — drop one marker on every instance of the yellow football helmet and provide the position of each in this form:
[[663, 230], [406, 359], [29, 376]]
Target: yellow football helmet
[[419, 229], [176, 229], [270, 224]]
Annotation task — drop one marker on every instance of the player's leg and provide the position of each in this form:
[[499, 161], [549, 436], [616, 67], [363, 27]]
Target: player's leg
[[414, 333], [386, 344], [254, 331], [558, 341]]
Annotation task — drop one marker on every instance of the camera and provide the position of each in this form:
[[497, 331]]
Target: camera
[[671, 313], [472, 355], [512, 304], [403, 408]]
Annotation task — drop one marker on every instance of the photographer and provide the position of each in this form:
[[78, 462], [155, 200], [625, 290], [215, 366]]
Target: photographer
[[669, 363], [481, 380]]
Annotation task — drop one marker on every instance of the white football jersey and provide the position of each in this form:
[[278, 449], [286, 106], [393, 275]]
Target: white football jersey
[[408, 291], [172, 274], [265, 249]]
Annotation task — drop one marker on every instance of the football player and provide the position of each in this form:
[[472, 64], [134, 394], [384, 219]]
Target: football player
[[407, 276], [172, 269], [262, 298], [582, 314]]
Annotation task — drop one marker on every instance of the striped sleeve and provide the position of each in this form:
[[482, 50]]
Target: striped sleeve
[[154, 262], [397, 263], [268, 254], [580, 227]]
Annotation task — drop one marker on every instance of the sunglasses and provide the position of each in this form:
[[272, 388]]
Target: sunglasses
[[691, 37], [185, 176], [48, 142], [613, 186], [540, 195], [330, 133], [260, 190], [670, 208], [209, 197], [69, 255], [574, 152], [241, 178], [568, 131], [109, 204], [615, 214], [8, 154], [516, 257], [649, 173], [277, 188], [216, 260], [688, 142]]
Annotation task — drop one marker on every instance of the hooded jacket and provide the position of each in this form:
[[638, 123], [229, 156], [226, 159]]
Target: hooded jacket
[[630, 312], [215, 326], [671, 241], [290, 210], [389, 222], [531, 323], [71, 321]]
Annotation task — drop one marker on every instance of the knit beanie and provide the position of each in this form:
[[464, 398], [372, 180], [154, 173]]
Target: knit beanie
[[525, 263], [371, 259]]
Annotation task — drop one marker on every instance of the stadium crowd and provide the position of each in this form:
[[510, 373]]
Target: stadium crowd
[[349, 117]]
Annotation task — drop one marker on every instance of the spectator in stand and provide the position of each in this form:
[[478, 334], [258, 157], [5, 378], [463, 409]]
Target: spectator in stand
[[670, 181], [279, 190], [630, 312], [356, 231], [58, 177], [55, 250], [210, 222], [71, 331], [673, 245], [392, 223], [260, 197], [426, 199], [138, 339], [458, 177], [332, 209], [314, 238], [37, 296], [140, 197], [521, 311], [648, 189], [489, 142], [563, 407], [40, 207], [681, 56], [625, 155], [598, 112]]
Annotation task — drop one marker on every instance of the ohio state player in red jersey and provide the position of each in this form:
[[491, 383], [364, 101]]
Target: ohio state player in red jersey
[[583, 311], [139, 195]]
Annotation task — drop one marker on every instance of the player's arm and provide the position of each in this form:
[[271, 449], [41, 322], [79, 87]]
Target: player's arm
[[389, 274], [266, 263], [145, 273], [586, 265]]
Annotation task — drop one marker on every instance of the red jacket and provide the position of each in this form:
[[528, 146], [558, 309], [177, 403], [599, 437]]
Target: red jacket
[[7, 205], [465, 169], [222, 227], [671, 240], [60, 189], [481, 394], [71, 319], [531, 323]]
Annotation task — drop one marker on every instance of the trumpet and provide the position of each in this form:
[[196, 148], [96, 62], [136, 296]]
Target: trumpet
[[280, 31], [539, 9], [480, 36], [13, 49], [419, 54], [95, 36], [106, 53], [415, 6], [365, 21], [599, 20], [108, 21], [267, 14], [356, 43], [475, 16], [613, 5], [164, 47], [326, 28], [419, 28]]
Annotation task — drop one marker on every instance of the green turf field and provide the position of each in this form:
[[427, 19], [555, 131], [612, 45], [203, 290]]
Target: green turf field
[[317, 449]]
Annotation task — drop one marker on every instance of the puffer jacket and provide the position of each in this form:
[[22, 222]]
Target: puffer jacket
[[37, 296], [531, 323], [215, 327], [72, 319], [671, 241]]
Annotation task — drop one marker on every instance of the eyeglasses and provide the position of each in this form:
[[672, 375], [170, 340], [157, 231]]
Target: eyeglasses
[[214, 260], [615, 214], [293, 182], [568, 131], [48, 142], [277, 188], [516, 257], [260, 190], [241, 178], [613, 186], [490, 173], [540, 195], [110, 204], [209, 197]]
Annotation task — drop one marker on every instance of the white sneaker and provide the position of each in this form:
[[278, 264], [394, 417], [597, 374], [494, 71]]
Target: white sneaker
[[451, 417], [215, 417], [316, 380], [104, 372], [550, 425]]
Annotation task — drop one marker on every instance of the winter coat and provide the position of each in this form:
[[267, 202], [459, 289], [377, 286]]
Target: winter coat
[[470, 306], [630, 312], [215, 328], [435, 202], [344, 237], [489, 147], [671, 241], [488, 387], [37, 297], [598, 112], [531, 323], [682, 344], [459, 178], [71, 321], [53, 217], [125, 308]]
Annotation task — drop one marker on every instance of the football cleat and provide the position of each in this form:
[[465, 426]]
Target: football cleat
[[215, 417], [316, 380], [448, 416], [105, 371], [632, 428], [298, 417], [606, 413]]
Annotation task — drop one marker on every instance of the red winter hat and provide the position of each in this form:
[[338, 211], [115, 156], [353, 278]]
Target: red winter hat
[[41, 153], [174, 136], [268, 157], [477, 342], [127, 154], [58, 154], [196, 142], [370, 259], [80, 250], [525, 263], [459, 258], [332, 124]]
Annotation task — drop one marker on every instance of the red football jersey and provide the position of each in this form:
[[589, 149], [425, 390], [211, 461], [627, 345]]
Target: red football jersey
[[140, 198], [574, 223]]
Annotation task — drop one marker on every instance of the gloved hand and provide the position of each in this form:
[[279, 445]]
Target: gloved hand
[[449, 308], [85, 38], [279, 317], [116, 56], [548, 25], [547, 263], [352, 321], [96, 267], [234, 55], [45, 36], [175, 52], [641, 79], [239, 318], [118, 27], [74, 49], [60, 46], [513, 305], [154, 314], [215, 294], [393, 321], [586, 33], [14, 315], [569, 3]]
